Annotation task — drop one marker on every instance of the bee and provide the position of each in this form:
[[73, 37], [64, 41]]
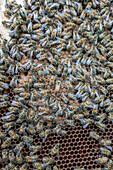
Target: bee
[[2, 135], [102, 160], [13, 134], [48, 160], [6, 143], [31, 129], [5, 155], [106, 142], [8, 117], [52, 80], [69, 122], [55, 167], [8, 125], [101, 116], [105, 151], [68, 112], [68, 85], [109, 108], [11, 156], [109, 165], [110, 53], [31, 158], [30, 115], [72, 96], [19, 158], [10, 166], [44, 134], [54, 119], [86, 122], [100, 125], [22, 128], [109, 81], [64, 98], [19, 147], [39, 85], [57, 86], [39, 165], [24, 166], [110, 117], [19, 90], [99, 99], [39, 126], [55, 150], [27, 139], [34, 149], [78, 116], [25, 95], [3, 78], [94, 135], [4, 104]]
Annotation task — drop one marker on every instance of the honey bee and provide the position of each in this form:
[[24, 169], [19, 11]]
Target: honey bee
[[57, 129], [6, 143], [69, 122], [8, 117], [39, 126], [102, 160], [31, 129], [57, 86], [5, 155], [48, 160], [109, 108], [54, 119], [19, 158], [34, 149], [100, 125], [55, 150], [19, 90], [39, 165], [13, 134], [44, 134], [19, 147], [31, 158], [110, 117], [8, 125], [24, 167], [78, 116], [64, 98], [2, 135], [109, 165], [105, 151], [22, 128], [52, 80], [55, 167], [109, 81], [106, 142], [94, 135], [27, 139], [100, 116], [86, 122], [11, 156]]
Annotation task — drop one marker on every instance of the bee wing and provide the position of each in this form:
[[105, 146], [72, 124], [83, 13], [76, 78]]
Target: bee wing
[[109, 147], [85, 125]]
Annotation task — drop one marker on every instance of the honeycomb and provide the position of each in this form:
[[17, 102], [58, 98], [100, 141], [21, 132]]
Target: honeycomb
[[76, 148]]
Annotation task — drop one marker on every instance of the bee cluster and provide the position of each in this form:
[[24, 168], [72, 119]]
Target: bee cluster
[[56, 75]]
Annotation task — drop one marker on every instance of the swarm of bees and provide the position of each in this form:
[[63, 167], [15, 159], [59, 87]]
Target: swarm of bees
[[60, 62]]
